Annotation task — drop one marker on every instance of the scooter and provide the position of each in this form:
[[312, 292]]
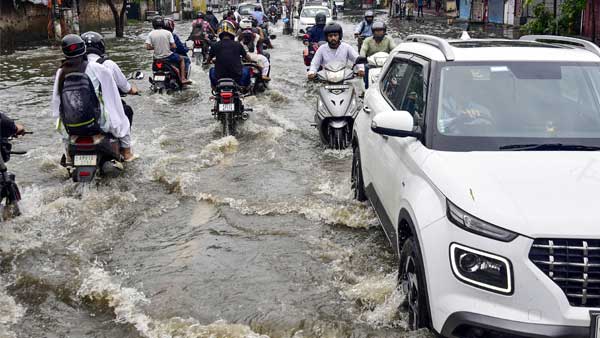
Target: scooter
[[9, 191], [166, 76], [337, 104], [376, 62], [228, 108], [94, 155]]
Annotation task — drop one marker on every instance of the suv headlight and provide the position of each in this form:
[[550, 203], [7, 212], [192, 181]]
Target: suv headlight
[[473, 224], [481, 269]]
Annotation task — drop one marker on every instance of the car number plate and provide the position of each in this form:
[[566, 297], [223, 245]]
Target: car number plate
[[197, 50], [595, 325], [85, 160], [159, 77], [226, 107]]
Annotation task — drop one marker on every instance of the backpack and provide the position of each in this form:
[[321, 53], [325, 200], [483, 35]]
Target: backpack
[[79, 106]]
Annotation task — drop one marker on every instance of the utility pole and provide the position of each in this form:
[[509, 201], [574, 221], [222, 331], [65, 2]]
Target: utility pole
[[556, 17]]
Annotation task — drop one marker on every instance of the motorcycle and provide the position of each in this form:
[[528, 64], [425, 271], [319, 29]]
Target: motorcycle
[[310, 50], [200, 51], [228, 108], [337, 104], [257, 84], [273, 17], [166, 76], [9, 191], [92, 155], [376, 62], [268, 37]]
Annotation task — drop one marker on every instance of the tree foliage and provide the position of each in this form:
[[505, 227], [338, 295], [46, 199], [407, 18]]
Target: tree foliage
[[545, 22]]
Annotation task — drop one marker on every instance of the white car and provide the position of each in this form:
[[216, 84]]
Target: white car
[[481, 159], [307, 18], [247, 8]]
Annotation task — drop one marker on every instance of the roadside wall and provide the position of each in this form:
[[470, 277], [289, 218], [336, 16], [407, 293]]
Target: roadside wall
[[28, 22]]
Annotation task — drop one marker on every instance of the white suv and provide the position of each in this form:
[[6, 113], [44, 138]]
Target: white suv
[[481, 159]]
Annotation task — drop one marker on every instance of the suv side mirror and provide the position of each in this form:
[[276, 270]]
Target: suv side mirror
[[394, 123]]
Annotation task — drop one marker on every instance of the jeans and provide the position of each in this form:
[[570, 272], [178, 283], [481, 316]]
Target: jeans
[[244, 80]]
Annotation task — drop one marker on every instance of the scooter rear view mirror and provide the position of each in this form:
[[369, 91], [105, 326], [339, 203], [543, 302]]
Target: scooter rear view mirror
[[272, 37], [361, 60]]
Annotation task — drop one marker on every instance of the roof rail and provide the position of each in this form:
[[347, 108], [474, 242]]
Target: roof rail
[[587, 45], [440, 43]]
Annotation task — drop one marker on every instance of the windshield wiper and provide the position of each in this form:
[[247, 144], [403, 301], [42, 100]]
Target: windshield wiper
[[549, 146]]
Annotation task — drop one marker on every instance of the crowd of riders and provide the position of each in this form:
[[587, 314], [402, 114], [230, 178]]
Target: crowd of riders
[[87, 72]]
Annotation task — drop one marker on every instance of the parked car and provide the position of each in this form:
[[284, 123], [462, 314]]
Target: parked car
[[481, 159], [307, 18]]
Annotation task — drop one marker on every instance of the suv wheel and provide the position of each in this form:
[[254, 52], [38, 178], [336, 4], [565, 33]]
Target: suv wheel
[[411, 280], [358, 185]]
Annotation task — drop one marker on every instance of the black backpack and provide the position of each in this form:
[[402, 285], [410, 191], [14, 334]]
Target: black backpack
[[79, 106]]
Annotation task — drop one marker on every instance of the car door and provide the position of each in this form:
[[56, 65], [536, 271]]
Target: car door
[[376, 101], [398, 153]]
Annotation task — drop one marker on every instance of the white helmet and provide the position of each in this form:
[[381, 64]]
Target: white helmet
[[245, 24]]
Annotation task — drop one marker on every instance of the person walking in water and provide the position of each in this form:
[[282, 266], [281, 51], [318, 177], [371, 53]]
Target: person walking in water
[[420, 8]]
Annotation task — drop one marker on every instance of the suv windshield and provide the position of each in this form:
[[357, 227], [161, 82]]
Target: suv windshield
[[312, 12], [505, 104], [246, 9]]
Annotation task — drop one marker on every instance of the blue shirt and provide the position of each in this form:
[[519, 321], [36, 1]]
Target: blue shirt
[[259, 16], [364, 29], [181, 48], [316, 34]]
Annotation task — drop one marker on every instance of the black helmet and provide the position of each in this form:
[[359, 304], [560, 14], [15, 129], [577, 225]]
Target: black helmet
[[209, 11], [233, 8], [200, 15], [257, 8], [73, 46], [158, 22], [320, 19], [333, 28], [94, 43]]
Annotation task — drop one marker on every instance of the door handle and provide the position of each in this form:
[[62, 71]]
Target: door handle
[[367, 109]]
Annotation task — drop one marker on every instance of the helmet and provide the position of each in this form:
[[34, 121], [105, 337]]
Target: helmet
[[94, 43], [233, 8], [379, 26], [245, 24], [369, 14], [257, 8], [254, 21], [320, 19], [226, 27], [73, 46], [169, 24], [333, 28], [200, 15], [209, 11], [158, 22]]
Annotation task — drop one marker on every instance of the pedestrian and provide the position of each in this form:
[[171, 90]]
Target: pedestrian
[[397, 7], [420, 8], [438, 6], [428, 4]]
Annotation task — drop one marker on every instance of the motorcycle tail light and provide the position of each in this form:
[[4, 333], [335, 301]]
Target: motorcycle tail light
[[84, 143], [226, 97], [159, 65], [84, 173]]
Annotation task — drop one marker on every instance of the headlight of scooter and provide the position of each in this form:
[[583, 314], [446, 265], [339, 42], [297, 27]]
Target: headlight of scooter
[[473, 224]]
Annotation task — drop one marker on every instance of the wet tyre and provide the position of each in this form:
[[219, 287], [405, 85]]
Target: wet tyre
[[358, 185], [228, 125], [412, 281], [338, 138], [199, 59]]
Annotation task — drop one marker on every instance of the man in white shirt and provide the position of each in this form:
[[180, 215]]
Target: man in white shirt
[[161, 41], [335, 50]]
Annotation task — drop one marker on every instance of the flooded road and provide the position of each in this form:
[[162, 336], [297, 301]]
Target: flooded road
[[203, 236]]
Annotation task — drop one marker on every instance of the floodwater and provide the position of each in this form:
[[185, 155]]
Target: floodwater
[[203, 236]]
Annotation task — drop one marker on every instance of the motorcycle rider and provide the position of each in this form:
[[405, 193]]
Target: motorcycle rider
[[212, 19], [363, 30], [335, 50], [112, 118], [228, 53], [200, 27], [258, 15], [379, 42], [250, 40], [237, 15], [162, 41], [96, 52], [8, 128], [180, 48], [315, 33]]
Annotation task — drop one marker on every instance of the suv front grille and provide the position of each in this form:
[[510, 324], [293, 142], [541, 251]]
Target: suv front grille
[[574, 265]]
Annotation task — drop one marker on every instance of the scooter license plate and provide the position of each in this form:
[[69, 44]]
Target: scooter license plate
[[197, 50], [159, 77], [226, 107], [595, 325], [85, 160]]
